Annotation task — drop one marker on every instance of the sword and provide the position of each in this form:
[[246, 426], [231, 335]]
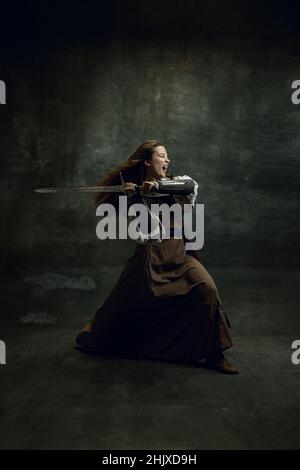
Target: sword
[[164, 187], [82, 189], [88, 189], [96, 189]]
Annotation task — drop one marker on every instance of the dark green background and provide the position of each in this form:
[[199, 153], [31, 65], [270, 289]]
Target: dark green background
[[87, 83]]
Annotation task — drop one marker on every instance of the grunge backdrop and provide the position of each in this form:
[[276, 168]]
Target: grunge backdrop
[[87, 82]]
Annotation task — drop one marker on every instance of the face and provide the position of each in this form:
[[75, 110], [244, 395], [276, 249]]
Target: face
[[157, 167]]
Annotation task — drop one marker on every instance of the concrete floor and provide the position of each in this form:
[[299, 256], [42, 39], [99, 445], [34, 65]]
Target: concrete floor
[[54, 397]]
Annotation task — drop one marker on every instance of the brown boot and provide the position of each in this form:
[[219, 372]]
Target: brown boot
[[219, 363]]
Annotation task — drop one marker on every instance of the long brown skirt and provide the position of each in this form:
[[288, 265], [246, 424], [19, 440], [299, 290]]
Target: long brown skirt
[[165, 306]]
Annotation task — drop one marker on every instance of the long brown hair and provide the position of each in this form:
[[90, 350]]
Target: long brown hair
[[133, 171]]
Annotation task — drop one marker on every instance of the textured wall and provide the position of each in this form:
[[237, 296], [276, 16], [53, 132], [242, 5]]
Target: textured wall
[[210, 80]]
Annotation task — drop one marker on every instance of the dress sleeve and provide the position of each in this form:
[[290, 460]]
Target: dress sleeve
[[193, 195], [144, 238]]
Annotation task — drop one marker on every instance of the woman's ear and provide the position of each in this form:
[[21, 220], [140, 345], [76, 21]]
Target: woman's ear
[[147, 162]]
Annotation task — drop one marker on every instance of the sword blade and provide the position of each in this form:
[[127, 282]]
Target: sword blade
[[81, 189]]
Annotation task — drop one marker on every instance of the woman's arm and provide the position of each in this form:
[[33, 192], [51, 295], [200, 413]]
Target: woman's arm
[[189, 189]]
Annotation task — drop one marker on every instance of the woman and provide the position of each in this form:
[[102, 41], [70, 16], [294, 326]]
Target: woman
[[165, 304]]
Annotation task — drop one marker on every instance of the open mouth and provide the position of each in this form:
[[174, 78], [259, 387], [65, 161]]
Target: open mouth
[[165, 167]]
